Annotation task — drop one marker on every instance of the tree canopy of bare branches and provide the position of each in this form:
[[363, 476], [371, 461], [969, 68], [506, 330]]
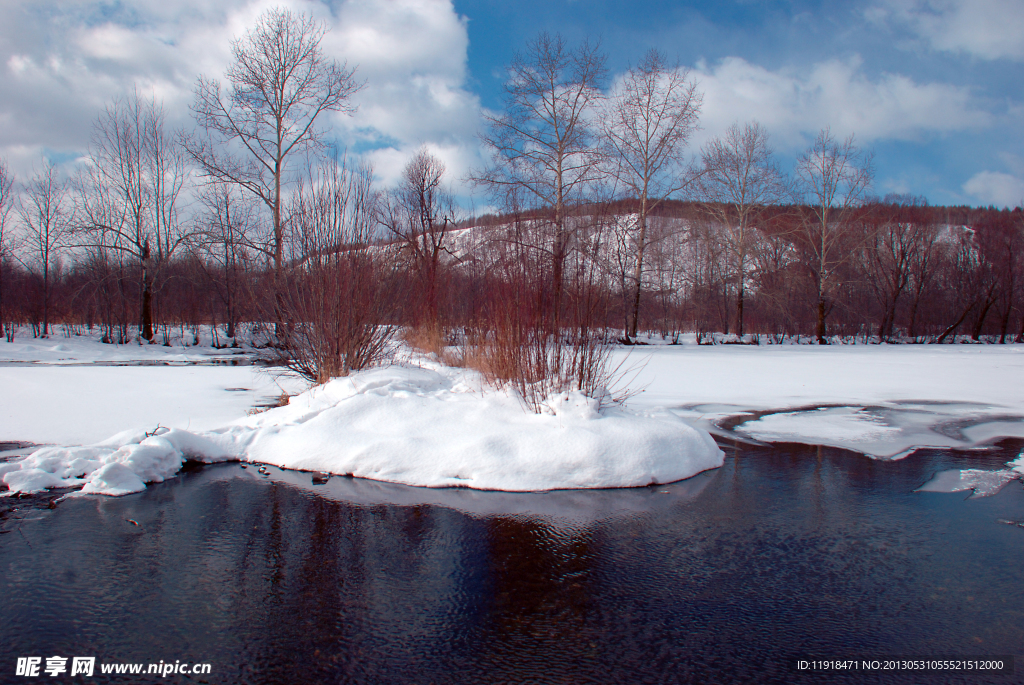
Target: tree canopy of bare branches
[[339, 298], [651, 116], [544, 147], [835, 177], [280, 82], [420, 215], [6, 204], [130, 193], [222, 237], [47, 215], [739, 182]]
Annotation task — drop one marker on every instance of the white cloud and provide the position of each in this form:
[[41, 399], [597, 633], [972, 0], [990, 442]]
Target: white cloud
[[793, 105], [989, 29], [996, 188], [64, 61]]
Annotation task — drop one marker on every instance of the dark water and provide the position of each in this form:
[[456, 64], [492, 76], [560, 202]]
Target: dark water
[[783, 552]]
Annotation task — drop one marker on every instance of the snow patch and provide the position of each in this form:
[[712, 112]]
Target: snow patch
[[846, 424]]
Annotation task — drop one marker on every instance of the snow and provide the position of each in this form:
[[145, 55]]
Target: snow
[[78, 390], [983, 482], [425, 424], [431, 426]]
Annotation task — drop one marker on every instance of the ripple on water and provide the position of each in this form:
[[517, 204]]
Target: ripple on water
[[783, 551]]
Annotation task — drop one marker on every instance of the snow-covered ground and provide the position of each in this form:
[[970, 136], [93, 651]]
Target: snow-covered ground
[[425, 424], [882, 400], [78, 390]]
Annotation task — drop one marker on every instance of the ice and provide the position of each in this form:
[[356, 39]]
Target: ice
[[843, 425], [86, 404], [984, 483], [881, 400]]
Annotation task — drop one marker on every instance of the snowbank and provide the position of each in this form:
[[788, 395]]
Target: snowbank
[[434, 426]]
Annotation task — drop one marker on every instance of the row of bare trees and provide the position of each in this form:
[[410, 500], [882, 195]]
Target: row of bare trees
[[608, 222]]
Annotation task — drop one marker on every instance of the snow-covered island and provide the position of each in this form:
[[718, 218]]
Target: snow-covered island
[[415, 423], [422, 423]]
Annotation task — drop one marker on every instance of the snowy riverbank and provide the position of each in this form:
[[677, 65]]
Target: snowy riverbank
[[431, 425]]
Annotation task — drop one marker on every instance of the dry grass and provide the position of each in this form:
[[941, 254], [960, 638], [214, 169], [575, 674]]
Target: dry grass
[[279, 401], [429, 339]]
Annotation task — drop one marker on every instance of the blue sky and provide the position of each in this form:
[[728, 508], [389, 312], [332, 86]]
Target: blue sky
[[884, 40], [932, 87]]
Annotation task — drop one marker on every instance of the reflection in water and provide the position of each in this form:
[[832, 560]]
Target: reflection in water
[[783, 551]]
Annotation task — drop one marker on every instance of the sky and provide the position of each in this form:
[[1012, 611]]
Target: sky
[[931, 87]]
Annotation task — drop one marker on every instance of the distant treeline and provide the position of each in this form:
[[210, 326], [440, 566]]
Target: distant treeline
[[903, 272]]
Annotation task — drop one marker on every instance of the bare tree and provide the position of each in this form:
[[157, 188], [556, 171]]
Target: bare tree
[[543, 147], [279, 84], [130, 193], [420, 214], [6, 204], [835, 176], [651, 115], [48, 216], [739, 183]]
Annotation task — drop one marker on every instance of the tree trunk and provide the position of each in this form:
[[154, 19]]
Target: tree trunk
[[740, 290], [821, 320], [976, 333], [638, 272], [739, 312], [146, 326], [956, 324], [46, 299]]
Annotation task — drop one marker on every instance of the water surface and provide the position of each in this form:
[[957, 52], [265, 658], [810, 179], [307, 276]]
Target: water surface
[[785, 551]]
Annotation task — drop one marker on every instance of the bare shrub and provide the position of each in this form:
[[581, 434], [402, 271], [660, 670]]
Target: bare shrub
[[338, 301], [512, 345], [517, 353]]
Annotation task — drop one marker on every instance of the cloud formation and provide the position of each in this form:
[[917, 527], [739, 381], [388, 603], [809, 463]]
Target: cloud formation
[[988, 29], [996, 188], [63, 62], [795, 105]]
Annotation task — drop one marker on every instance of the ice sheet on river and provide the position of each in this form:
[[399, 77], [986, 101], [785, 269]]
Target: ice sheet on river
[[884, 432], [880, 400], [982, 482]]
